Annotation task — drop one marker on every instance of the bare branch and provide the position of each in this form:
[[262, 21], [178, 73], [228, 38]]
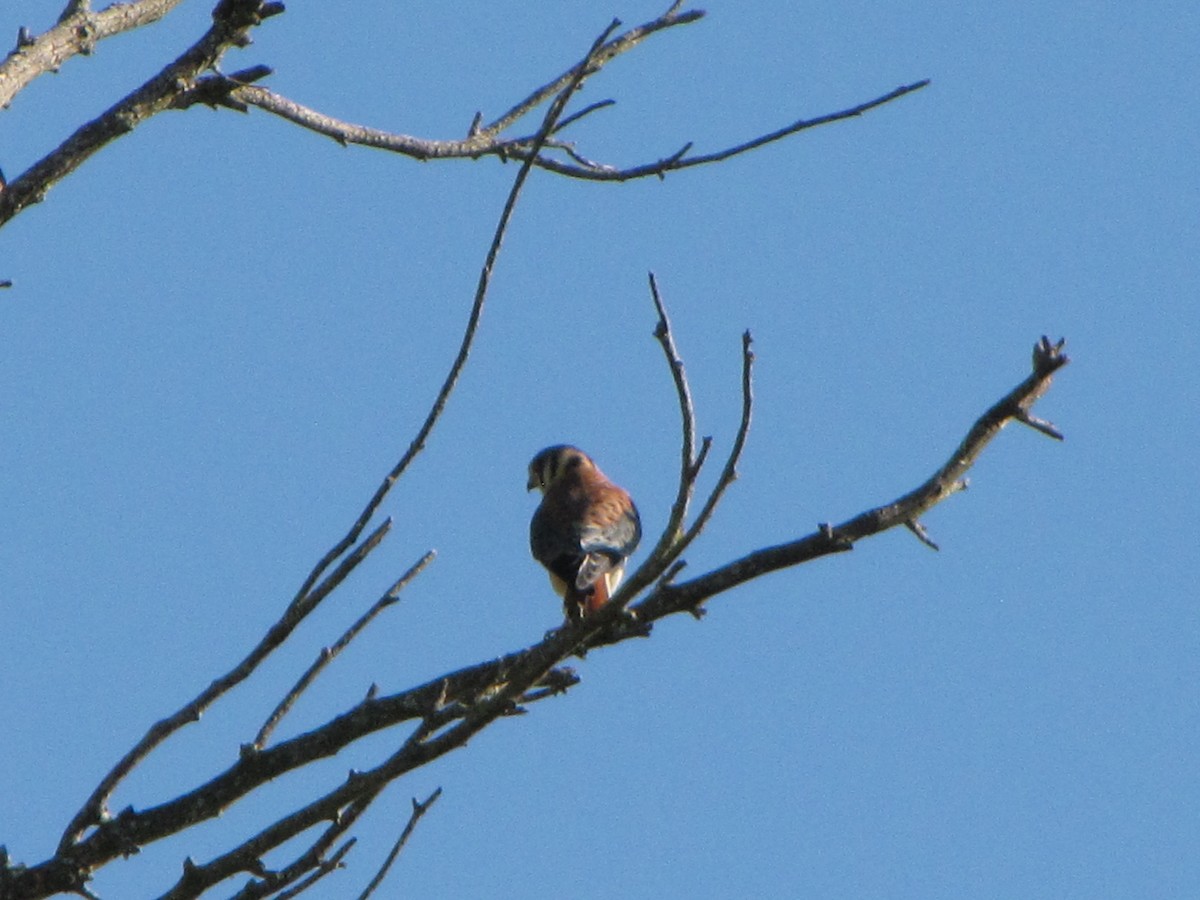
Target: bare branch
[[418, 810], [1048, 358], [922, 535], [1046, 428], [594, 61], [486, 140], [232, 22], [93, 811], [664, 554], [680, 160], [301, 873], [332, 864], [483, 142], [729, 473], [79, 855], [77, 32], [328, 654], [689, 465]]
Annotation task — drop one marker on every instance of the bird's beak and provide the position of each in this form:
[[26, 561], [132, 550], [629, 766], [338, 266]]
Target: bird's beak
[[532, 483]]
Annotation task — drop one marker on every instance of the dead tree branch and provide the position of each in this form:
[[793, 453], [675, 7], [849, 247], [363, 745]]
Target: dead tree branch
[[219, 90], [443, 714], [81, 852], [1048, 358], [94, 811], [418, 810], [76, 33], [328, 654], [183, 83], [449, 710], [232, 22]]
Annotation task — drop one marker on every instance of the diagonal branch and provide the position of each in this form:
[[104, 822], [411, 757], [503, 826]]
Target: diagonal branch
[[328, 654], [331, 864], [595, 61], [77, 32], [1048, 358], [78, 855], [464, 350], [418, 810], [232, 22], [93, 811]]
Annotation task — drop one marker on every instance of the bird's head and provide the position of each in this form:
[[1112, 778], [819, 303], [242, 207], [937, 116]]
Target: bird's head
[[553, 463]]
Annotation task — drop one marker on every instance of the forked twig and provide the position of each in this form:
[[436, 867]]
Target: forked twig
[[332, 864]]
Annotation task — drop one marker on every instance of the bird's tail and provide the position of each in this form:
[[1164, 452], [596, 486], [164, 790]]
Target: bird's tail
[[578, 603]]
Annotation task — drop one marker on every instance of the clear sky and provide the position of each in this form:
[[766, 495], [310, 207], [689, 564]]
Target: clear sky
[[225, 330]]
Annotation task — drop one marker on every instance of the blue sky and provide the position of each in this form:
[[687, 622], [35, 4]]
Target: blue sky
[[224, 331]]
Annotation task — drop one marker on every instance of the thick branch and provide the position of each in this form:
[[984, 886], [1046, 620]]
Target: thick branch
[[232, 23], [77, 32]]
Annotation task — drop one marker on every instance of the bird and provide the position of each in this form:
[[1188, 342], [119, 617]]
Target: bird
[[583, 531]]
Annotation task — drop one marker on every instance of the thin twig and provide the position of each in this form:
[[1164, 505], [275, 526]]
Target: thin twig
[[729, 472], [328, 654], [487, 143], [418, 810], [689, 464], [300, 874], [332, 864], [680, 160], [577, 73], [921, 534]]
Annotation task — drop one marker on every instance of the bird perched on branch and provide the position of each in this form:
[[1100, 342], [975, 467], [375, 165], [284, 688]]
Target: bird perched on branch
[[584, 530]]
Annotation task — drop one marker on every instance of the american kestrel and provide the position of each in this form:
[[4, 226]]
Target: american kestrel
[[584, 529]]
